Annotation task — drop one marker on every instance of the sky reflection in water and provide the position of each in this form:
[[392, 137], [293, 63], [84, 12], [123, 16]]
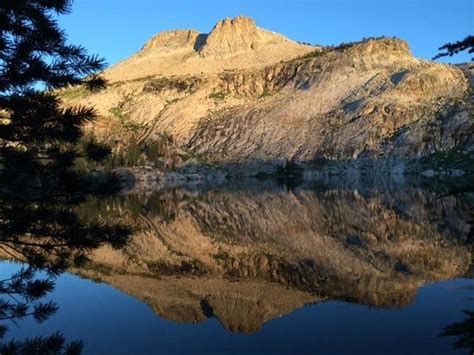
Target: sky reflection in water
[[341, 319]]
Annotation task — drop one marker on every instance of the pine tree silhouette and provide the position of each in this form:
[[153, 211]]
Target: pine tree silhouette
[[40, 182], [451, 49]]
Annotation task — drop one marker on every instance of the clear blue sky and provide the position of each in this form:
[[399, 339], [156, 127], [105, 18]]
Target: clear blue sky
[[115, 29]]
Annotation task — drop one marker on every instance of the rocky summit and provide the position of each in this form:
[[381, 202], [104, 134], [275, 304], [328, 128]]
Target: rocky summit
[[241, 94]]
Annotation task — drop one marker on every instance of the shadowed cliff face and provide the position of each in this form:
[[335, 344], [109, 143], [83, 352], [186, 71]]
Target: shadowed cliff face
[[247, 255]]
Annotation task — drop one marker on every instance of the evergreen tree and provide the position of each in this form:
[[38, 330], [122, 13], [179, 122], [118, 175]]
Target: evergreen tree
[[39, 140], [450, 49], [40, 184]]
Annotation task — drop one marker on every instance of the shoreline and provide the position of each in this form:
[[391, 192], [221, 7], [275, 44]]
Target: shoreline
[[340, 172]]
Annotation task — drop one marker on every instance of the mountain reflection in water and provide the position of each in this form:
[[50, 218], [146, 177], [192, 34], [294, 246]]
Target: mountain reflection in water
[[245, 255], [248, 255]]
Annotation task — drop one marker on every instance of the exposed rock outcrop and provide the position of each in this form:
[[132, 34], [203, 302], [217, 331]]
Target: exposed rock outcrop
[[243, 94], [234, 36], [169, 41]]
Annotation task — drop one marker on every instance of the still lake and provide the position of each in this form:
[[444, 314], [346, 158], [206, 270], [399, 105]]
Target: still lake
[[264, 268]]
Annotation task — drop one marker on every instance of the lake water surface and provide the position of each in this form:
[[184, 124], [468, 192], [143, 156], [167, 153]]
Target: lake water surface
[[261, 268]]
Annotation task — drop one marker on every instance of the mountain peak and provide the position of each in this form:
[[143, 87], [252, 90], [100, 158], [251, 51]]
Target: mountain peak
[[172, 40], [232, 36], [236, 22], [229, 36]]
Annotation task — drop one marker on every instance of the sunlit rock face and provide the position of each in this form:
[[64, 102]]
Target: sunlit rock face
[[168, 41], [233, 36], [241, 93], [248, 255]]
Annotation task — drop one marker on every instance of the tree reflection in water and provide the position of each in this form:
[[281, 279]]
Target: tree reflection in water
[[49, 236], [25, 291], [463, 330], [273, 249]]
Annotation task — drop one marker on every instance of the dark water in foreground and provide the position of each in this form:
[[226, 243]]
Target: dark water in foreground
[[264, 269]]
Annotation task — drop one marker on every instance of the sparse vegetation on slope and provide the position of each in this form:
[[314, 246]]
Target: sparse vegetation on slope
[[362, 100]]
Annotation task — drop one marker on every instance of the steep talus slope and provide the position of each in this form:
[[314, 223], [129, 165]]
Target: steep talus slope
[[241, 93], [249, 256]]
